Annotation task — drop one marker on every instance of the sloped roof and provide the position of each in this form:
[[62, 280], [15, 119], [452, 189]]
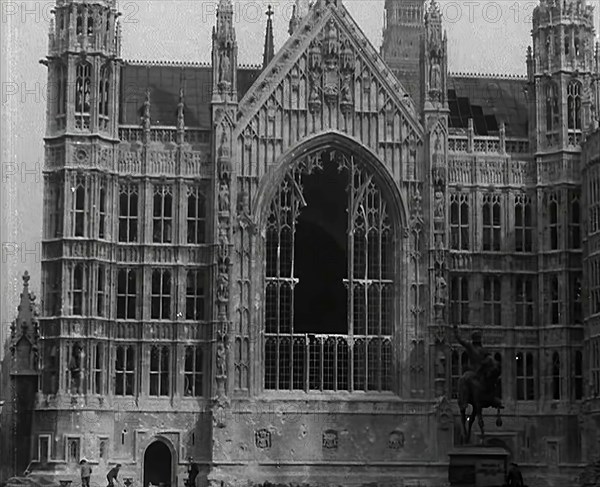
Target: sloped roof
[[488, 101], [164, 82]]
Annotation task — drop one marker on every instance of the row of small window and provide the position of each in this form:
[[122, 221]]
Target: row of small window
[[89, 293], [574, 114], [87, 18], [525, 374], [460, 222], [550, 40], [73, 449], [161, 373], [523, 300], [85, 203]]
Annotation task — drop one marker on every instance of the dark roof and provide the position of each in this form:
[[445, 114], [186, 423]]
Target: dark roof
[[489, 102], [164, 82]]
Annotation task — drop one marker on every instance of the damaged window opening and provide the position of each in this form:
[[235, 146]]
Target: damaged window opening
[[329, 280]]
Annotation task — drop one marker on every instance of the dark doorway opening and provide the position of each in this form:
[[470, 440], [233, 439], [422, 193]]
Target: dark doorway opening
[[157, 465], [321, 253]]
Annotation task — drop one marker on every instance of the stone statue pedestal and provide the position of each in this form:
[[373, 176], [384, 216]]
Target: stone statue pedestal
[[477, 466]]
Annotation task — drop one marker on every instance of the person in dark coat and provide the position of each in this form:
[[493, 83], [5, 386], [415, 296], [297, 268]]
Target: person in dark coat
[[112, 475], [86, 472], [514, 478]]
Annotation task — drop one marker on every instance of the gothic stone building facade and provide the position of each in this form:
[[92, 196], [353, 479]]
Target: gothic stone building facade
[[257, 269]]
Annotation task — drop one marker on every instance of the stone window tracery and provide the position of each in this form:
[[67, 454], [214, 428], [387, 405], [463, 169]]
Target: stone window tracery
[[83, 83], [195, 295], [124, 370], [595, 367], [98, 369], [492, 300], [594, 285], [160, 305], [128, 213], [492, 224], [524, 301], [159, 371], [556, 376], [575, 223], [101, 291], [523, 223], [553, 221], [193, 371], [127, 294], [196, 216], [78, 212], [459, 300], [576, 299], [77, 290], [102, 211], [574, 105], [554, 295], [329, 196], [525, 376], [61, 95], [103, 96], [594, 201], [162, 220], [578, 375], [552, 113], [459, 221]]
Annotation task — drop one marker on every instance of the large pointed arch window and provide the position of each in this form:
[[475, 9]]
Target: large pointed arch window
[[83, 86], [574, 112], [60, 96], [103, 98], [552, 114], [329, 280]]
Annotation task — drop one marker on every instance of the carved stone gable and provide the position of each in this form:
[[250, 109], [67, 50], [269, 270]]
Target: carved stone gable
[[327, 77]]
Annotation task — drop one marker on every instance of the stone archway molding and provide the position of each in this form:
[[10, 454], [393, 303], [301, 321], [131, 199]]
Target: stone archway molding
[[340, 142]]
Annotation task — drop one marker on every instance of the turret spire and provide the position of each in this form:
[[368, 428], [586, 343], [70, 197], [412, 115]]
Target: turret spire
[[269, 51], [298, 13]]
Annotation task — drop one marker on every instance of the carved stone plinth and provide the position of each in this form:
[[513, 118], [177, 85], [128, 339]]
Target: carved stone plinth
[[477, 467]]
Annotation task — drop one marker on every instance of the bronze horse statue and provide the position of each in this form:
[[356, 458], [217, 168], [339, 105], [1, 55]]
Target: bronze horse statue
[[479, 390]]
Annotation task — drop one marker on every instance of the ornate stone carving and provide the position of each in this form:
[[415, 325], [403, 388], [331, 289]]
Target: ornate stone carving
[[224, 196], [262, 438], [441, 291], [445, 417], [330, 439], [396, 440]]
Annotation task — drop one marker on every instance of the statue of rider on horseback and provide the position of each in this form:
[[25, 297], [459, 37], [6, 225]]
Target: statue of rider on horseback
[[478, 385]]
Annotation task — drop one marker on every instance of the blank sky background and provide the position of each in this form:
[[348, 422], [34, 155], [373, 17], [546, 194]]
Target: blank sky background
[[483, 37]]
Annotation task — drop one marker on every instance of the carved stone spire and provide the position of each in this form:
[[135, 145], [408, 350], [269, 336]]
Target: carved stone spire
[[435, 55], [24, 332], [298, 13], [146, 121], [224, 52], [269, 51], [180, 110]]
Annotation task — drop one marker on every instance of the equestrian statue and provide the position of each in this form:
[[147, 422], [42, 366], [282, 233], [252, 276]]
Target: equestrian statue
[[478, 385]]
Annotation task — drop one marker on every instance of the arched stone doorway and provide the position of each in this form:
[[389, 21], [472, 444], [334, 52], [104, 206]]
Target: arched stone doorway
[[158, 465]]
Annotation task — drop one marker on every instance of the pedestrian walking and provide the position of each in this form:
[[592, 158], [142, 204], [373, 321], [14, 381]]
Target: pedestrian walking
[[86, 472], [112, 475], [514, 477]]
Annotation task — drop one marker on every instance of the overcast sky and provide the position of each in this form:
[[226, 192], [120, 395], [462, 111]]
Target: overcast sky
[[484, 37]]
